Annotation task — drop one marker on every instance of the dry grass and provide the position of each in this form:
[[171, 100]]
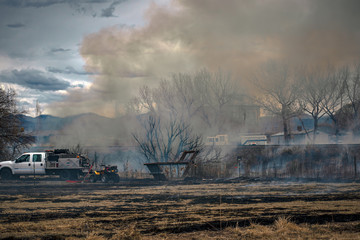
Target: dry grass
[[201, 211], [128, 234], [282, 228]]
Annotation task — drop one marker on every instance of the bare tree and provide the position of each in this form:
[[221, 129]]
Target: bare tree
[[187, 94], [201, 95], [171, 112], [164, 139], [352, 91], [144, 102], [12, 135], [222, 89], [335, 95], [278, 93], [166, 100], [198, 98], [313, 92]]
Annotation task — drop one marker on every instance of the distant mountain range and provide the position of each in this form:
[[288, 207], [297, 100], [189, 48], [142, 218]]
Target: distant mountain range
[[52, 123], [88, 129]]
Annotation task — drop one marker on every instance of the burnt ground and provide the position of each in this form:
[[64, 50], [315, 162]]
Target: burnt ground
[[54, 209]]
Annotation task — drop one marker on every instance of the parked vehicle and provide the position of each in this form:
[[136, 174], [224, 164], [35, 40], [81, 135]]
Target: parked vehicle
[[69, 166], [105, 174]]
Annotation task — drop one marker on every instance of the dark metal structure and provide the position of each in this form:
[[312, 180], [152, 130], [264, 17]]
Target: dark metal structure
[[173, 170]]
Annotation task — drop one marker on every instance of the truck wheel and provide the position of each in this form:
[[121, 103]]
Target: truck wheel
[[74, 175], [92, 179], [16, 177], [64, 175], [6, 174], [104, 178]]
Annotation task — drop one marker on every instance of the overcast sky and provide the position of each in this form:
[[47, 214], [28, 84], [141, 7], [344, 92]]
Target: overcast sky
[[40, 41], [92, 55]]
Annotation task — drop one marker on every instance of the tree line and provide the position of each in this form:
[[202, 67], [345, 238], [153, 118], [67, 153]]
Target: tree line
[[176, 115], [287, 93]]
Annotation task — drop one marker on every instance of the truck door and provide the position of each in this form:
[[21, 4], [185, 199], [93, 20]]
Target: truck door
[[38, 163], [23, 165]]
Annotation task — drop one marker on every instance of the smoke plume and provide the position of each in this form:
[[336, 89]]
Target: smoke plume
[[233, 35]]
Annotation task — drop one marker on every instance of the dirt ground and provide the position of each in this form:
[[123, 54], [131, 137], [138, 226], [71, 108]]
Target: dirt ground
[[179, 210]]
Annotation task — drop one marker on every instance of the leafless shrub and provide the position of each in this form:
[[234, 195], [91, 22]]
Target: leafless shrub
[[78, 149], [13, 137]]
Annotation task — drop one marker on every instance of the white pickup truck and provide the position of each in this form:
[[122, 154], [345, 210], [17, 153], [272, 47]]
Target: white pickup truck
[[54, 162]]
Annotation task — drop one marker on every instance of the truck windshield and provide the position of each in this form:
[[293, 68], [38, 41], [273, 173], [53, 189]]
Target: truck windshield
[[23, 158]]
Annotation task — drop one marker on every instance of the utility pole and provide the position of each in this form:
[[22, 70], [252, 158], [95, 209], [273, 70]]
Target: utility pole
[[239, 158], [355, 167], [38, 123]]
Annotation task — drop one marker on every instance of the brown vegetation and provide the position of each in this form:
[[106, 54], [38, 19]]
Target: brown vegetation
[[151, 210], [328, 161]]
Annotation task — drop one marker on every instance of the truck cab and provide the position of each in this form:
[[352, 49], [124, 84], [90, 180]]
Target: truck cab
[[26, 164], [30, 163]]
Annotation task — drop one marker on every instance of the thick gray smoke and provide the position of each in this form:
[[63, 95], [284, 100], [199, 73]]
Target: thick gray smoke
[[233, 35]]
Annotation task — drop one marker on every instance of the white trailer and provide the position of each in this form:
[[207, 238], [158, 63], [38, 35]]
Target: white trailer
[[54, 162], [254, 140]]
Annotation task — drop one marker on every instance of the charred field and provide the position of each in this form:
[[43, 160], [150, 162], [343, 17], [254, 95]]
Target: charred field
[[238, 209]]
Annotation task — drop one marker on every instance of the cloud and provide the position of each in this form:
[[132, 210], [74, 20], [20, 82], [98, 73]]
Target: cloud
[[45, 3], [109, 11], [57, 50], [79, 6], [33, 79], [15, 25], [67, 70], [31, 3]]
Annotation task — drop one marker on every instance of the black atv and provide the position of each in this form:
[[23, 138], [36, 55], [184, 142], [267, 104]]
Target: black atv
[[106, 174]]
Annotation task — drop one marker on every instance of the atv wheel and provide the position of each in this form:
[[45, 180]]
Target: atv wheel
[[93, 179], [116, 178], [104, 178], [6, 174]]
